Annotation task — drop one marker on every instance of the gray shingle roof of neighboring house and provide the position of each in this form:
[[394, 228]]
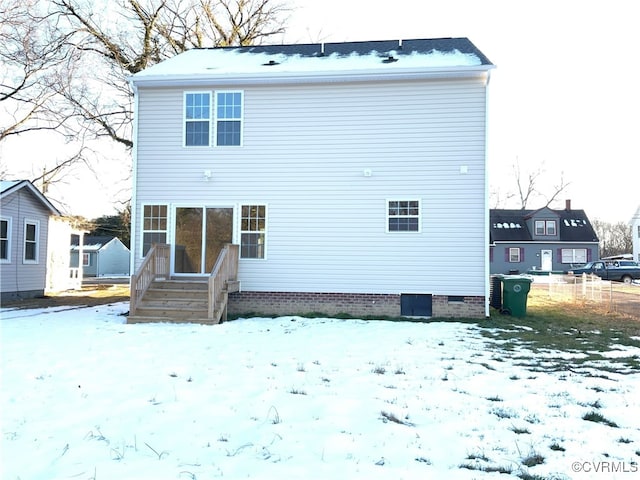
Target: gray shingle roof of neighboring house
[[511, 226]]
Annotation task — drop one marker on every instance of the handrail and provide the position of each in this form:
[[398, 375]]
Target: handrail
[[224, 270], [155, 265]]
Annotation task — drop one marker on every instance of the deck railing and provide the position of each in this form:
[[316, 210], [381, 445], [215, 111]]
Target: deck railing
[[224, 271], [154, 266]]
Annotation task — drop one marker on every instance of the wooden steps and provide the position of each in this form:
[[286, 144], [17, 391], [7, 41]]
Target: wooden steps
[[175, 301]]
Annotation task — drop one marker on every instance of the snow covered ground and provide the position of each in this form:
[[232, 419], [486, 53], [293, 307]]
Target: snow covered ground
[[86, 396]]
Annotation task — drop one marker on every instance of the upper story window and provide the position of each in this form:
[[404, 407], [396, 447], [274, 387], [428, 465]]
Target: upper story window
[[197, 119], [154, 226], [545, 227], [5, 239], [228, 118], [31, 232], [403, 216]]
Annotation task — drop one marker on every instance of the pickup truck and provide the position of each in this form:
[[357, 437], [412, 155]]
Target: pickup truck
[[617, 271]]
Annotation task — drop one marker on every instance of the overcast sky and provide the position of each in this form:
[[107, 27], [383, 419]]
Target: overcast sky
[[564, 96]]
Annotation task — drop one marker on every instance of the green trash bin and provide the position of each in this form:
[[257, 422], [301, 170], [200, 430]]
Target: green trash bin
[[515, 290]]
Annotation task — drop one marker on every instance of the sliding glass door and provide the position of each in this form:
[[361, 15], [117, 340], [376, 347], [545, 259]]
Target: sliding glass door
[[200, 235]]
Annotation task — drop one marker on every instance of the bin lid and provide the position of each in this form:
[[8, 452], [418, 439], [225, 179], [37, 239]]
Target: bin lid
[[516, 278]]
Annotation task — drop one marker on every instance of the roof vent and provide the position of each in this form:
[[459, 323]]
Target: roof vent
[[390, 59], [270, 63]]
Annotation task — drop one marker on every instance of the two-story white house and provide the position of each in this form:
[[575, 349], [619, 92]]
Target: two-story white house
[[351, 175]]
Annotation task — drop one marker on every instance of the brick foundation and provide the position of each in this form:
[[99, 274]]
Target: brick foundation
[[354, 304]]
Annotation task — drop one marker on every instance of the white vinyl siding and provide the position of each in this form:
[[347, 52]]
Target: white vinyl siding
[[326, 161]]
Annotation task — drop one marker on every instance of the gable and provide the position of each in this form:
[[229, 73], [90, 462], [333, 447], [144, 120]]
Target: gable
[[8, 188]]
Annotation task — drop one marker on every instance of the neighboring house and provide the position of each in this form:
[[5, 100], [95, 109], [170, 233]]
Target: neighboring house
[[102, 256], [635, 235], [540, 240], [24, 230], [352, 175]]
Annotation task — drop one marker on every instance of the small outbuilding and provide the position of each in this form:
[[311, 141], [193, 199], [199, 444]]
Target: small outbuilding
[[102, 256], [24, 234]]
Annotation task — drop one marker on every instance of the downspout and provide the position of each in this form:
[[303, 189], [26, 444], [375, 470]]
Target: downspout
[[487, 265], [134, 178]]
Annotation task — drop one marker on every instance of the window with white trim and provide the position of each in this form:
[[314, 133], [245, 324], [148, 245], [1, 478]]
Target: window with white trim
[[229, 118], [403, 216], [253, 226], [545, 227], [514, 255], [5, 240], [574, 255], [86, 259], [154, 226], [31, 234], [197, 119]]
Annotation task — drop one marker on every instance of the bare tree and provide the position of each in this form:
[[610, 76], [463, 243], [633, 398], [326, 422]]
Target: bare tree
[[615, 238], [68, 61], [117, 42], [530, 186], [31, 52]]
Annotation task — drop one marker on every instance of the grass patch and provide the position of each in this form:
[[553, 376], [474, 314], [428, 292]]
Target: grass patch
[[519, 430], [599, 418], [391, 417], [567, 327], [507, 470], [556, 447], [533, 459]]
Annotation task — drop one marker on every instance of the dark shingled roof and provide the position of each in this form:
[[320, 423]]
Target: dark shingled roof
[[383, 47], [511, 226]]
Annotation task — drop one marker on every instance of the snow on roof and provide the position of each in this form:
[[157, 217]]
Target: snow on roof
[[311, 59]]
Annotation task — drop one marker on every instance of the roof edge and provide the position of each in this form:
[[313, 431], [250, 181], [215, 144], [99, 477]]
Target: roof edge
[[311, 77], [31, 187]]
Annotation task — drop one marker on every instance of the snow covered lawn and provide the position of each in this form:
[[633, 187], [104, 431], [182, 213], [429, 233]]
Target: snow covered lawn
[[85, 396]]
